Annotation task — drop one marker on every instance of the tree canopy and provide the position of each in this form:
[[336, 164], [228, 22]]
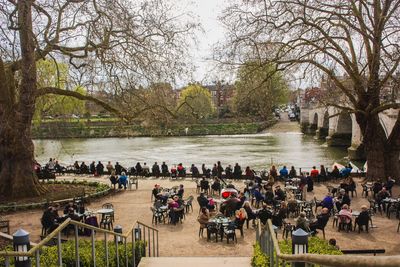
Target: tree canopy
[[354, 43], [195, 102], [259, 89]]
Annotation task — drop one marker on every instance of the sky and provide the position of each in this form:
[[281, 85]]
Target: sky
[[207, 12]]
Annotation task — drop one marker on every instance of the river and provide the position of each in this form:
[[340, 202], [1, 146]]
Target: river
[[257, 151]]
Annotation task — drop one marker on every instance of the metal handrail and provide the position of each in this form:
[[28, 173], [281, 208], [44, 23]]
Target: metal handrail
[[271, 248], [35, 250]]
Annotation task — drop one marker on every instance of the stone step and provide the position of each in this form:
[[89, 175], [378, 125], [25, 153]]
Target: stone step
[[195, 261]]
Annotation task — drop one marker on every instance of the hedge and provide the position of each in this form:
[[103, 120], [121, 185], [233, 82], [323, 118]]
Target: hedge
[[49, 255], [316, 245]]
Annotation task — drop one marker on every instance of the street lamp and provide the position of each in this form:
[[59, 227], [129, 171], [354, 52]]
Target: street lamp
[[299, 245], [138, 233], [118, 229], [21, 243]]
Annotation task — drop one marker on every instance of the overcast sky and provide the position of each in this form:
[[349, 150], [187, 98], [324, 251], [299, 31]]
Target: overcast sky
[[207, 12]]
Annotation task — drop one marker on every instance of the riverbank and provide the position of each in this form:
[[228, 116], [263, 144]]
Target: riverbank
[[85, 129]]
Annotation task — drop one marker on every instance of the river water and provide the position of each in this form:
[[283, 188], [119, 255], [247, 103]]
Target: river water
[[257, 151]]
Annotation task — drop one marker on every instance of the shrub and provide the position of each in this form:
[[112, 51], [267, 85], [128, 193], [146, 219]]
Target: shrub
[[49, 255], [259, 259]]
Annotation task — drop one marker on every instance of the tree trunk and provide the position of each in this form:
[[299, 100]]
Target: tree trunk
[[17, 179], [374, 139]]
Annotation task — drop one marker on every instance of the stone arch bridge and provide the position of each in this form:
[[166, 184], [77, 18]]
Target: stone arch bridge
[[341, 130]]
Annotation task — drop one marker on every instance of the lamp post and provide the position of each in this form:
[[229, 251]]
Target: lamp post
[[299, 245], [21, 243], [138, 233], [118, 229]]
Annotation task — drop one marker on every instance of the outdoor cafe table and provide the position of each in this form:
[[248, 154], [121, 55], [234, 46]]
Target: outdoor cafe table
[[391, 200], [104, 212], [221, 222]]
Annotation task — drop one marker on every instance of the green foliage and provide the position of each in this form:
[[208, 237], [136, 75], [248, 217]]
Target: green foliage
[[316, 245], [195, 103], [49, 255], [258, 90], [259, 259], [52, 74]]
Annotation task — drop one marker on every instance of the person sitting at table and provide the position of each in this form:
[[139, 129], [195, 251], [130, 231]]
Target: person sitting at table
[[302, 222], [49, 220], [229, 207], [264, 214], [164, 169], [284, 173], [122, 180], [342, 199], [113, 178], [155, 192], [203, 217], [377, 187], [202, 200], [322, 220], [303, 181], [383, 194], [327, 202], [204, 185], [346, 213], [292, 173], [389, 185], [363, 218], [251, 215], [155, 169], [73, 215], [211, 203], [279, 193], [216, 186], [180, 191], [240, 215], [258, 196], [70, 205]]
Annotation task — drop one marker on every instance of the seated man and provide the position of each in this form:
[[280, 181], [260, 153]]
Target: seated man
[[380, 197], [194, 170], [363, 218], [327, 202], [264, 214], [49, 220], [204, 185], [302, 222], [180, 191], [202, 200], [284, 173], [155, 192], [322, 220], [228, 172], [279, 194], [113, 179]]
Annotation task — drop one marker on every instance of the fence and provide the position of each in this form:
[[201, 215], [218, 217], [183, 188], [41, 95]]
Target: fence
[[267, 239], [138, 231]]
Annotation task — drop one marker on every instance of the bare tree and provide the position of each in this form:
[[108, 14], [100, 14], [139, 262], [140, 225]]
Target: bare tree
[[358, 39], [116, 40]]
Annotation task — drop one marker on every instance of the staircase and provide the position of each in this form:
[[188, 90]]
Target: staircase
[[195, 261]]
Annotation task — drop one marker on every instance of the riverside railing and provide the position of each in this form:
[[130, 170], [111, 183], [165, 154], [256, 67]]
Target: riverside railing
[[266, 236], [137, 232]]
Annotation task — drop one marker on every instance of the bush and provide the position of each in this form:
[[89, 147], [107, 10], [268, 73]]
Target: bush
[[316, 245], [49, 255], [259, 259]]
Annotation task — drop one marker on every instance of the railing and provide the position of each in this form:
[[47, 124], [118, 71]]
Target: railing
[[138, 232], [267, 239]]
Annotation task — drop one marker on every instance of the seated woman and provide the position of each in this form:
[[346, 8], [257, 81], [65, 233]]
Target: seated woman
[[346, 213], [240, 217], [216, 186], [49, 220], [203, 217], [173, 206], [181, 170], [322, 220], [180, 191], [327, 202], [249, 173], [302, 222], [251, 215], [174, 172]]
